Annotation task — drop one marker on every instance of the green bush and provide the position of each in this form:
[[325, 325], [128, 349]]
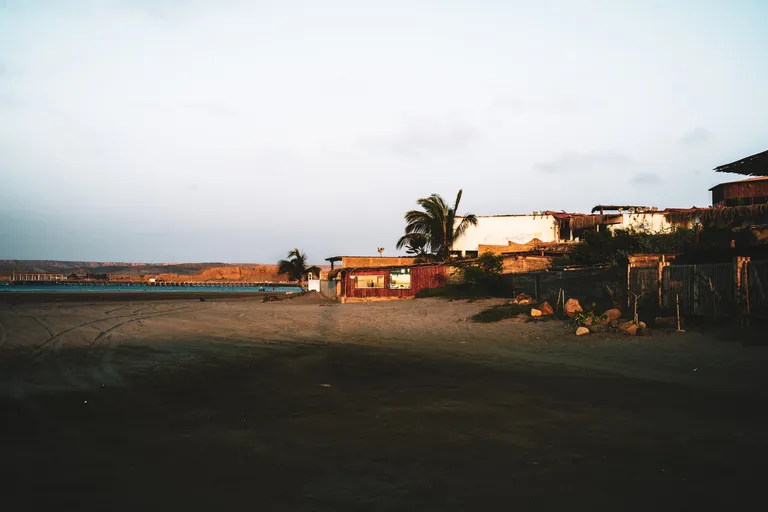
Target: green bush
[[483, 274]]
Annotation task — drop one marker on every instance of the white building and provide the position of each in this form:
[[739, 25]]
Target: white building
[[502, 229], [644, 222], [557, 227]]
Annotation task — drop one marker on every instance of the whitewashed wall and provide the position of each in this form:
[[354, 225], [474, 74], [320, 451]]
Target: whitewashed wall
[[652, 222], [519, 229]]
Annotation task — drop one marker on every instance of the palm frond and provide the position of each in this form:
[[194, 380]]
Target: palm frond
[[431, 230]]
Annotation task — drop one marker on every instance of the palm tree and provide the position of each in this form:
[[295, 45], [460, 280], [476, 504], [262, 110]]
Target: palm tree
[[431, 231], [295, 267]]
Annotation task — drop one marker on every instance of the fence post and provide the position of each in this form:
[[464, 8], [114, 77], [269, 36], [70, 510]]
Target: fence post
[[695, 289], [747, 264], [661, 278], [740, 268], [629, 282]]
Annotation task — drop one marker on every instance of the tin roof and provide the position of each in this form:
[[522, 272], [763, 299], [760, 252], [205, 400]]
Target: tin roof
[[754, 165], [756, 178]]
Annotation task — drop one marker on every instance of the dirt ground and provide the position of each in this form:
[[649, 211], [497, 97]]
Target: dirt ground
[[305, 404]]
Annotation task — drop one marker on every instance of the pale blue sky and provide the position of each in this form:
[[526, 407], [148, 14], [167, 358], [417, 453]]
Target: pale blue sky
[[234, 130]]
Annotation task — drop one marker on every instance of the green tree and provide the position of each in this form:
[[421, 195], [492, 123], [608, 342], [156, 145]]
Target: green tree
[[431, 231], [295, 267]]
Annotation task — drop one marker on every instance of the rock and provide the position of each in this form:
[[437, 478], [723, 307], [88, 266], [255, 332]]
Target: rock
[[628, 328], [611, 315], [546, 309], [536, 312], [572, 307], [581, 331], [642, 325], [666, 321], [587, 321], [614, 323], [523, 299]]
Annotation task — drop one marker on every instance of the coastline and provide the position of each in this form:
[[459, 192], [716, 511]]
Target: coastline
[[66, 297]]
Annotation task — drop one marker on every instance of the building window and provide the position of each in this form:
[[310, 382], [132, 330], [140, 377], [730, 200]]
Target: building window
[[400, 279], [369, 281], [471, 254]]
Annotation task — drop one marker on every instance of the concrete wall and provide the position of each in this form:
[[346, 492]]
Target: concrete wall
[[375, 261], [501, 230], [651, 222], [313, 285], [521, 264], [511, 247]]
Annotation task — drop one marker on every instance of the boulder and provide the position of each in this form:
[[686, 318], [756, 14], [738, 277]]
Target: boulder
[[572, 307], [611, 315], [642, 325], [581, 331], [523, 299], [546, 309], [628, 328], [587, 321], [536, 312]]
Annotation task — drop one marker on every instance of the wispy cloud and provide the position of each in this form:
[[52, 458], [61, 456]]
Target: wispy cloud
[[646, 178], [162, 11], [581, 162], [9, 71], [422, 138], [6, 100], [212, 109], [698, 135], [564, 105]]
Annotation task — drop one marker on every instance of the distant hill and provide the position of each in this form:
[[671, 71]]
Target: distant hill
[[211, 271], [104, 267]]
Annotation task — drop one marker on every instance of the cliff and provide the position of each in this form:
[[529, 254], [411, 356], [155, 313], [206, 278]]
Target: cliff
[[254, 273]]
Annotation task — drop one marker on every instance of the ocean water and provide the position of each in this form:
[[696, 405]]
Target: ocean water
[[118, 287]]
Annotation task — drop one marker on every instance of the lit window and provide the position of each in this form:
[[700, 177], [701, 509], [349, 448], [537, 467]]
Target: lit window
[[400, 279], [369, 281]]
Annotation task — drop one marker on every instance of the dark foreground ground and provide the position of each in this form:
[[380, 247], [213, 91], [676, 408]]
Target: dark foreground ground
[[305, 405], [330, 427]]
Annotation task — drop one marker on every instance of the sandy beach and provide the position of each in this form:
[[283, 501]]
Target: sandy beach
[[308, 404]]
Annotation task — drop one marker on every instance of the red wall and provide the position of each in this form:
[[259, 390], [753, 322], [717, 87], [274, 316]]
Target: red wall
[[744, 190], [430, 276]]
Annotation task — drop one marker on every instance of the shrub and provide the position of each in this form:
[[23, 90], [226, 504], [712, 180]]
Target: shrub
[[483, 273]]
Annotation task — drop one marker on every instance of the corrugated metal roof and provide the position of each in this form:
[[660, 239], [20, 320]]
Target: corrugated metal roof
[[754, 165], [756, 178]]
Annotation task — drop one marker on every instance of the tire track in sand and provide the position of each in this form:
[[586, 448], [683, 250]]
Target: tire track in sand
[[148, 315], [43, 345], [19, 380], [105, 367]]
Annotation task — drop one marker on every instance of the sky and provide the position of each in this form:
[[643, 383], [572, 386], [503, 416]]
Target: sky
[[184, 130]]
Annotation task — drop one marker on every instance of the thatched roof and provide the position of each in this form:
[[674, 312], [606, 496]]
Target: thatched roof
[[718, 215], [755, 165]]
